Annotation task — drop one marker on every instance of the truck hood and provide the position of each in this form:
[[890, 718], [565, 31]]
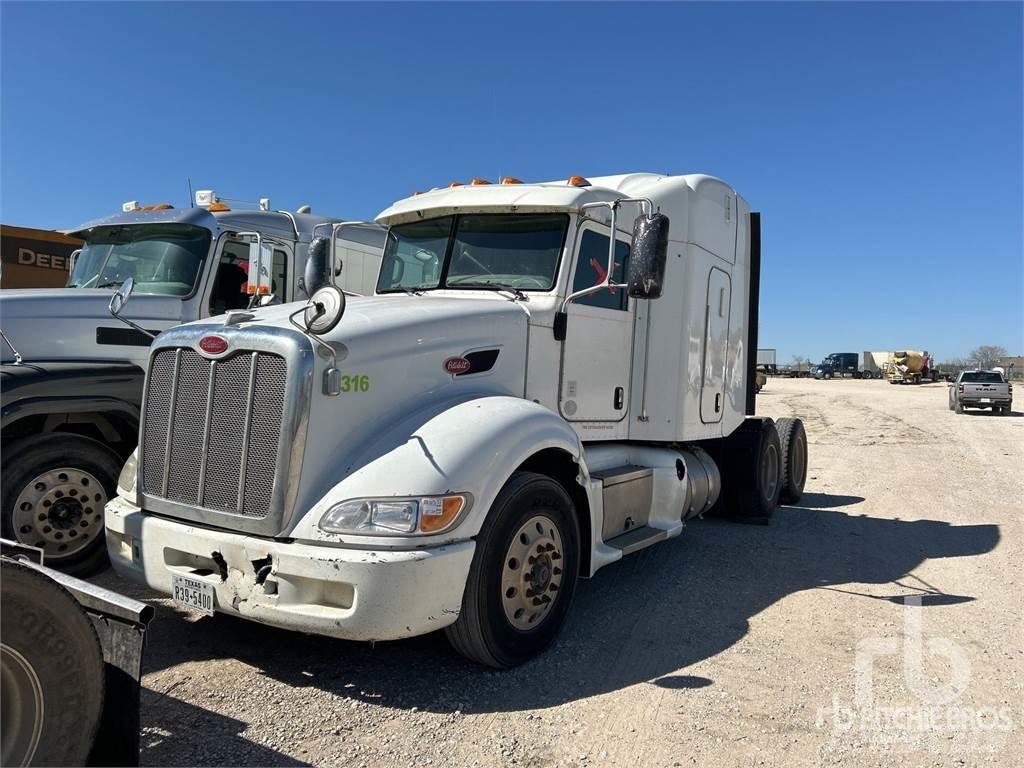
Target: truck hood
[[47, 324], [392, 357]]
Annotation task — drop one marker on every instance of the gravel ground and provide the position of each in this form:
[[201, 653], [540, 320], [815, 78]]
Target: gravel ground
[[731, 645]]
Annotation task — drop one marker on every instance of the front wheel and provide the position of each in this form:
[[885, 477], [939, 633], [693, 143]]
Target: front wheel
[[523, 576], [55, 488]]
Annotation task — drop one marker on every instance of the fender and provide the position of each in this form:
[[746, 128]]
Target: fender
[[470, 446], [41, 389]]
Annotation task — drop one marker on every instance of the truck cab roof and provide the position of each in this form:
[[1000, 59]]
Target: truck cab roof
[[297, 226]]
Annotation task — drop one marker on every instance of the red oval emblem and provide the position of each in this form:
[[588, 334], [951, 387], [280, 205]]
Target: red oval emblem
[[456, 365], [213, 345]]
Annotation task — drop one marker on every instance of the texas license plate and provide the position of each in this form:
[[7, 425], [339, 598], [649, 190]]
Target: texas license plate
[[194, 594], [986, 399]]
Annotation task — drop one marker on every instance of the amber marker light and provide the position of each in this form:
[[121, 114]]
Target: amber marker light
[[438, 512]]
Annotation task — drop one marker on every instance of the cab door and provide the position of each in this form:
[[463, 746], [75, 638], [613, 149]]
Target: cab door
[[597, 350], [716, 346], [228, 286]]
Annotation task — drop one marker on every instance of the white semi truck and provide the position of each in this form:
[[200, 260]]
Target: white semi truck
[[550, 377], [72, 373]]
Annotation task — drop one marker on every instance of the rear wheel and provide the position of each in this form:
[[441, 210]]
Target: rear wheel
[[957, 406], [51, 670], [55, 488], [793, 444], [751, 472], [523, 577]]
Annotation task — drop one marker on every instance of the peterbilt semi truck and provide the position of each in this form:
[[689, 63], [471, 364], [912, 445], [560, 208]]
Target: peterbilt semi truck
[[550, 377], [72, 373]]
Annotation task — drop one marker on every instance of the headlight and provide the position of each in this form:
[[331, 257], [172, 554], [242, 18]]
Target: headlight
[[391, 517], [126, 480]]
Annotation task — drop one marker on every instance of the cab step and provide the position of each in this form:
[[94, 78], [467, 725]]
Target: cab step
[[637, 538]]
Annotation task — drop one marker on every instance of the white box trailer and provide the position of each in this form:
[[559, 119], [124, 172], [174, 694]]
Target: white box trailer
[[875, 364], [549, 378]]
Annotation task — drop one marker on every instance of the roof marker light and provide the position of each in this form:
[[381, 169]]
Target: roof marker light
[[217, 207], [455, 184], [509, 180], [578, 181], [479, 182]]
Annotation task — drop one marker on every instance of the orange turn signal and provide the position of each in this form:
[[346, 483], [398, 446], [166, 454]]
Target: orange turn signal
[[251, 289], [438, 514], [509, 180], [578, 181]]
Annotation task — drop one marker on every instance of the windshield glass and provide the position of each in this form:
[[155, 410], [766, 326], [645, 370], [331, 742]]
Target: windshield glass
[[489, 251], [163, 258]]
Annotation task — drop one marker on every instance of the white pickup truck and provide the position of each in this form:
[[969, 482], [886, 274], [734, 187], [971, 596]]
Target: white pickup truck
[[981, 389], [549, 378]]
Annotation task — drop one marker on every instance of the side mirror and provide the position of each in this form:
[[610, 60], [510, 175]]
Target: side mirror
[[648, 256], [315, 275], [121, 296], [119, 299], [324, 310]]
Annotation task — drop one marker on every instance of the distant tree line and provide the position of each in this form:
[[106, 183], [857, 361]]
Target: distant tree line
[[985, 356]]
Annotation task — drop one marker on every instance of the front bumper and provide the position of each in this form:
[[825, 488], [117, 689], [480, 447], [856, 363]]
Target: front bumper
[[355, 594]]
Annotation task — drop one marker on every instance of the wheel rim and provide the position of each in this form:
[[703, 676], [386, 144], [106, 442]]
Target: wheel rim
[[60, 511], [531, 574], [22, 708], [770, 472], [799, 462]]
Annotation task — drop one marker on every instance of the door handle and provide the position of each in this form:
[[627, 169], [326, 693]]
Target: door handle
[[619, 394], [718, 402]]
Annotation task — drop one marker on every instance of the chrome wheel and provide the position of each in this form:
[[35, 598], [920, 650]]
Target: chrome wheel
[[60, 511], [532, 572], [770, 472], [22, 707]]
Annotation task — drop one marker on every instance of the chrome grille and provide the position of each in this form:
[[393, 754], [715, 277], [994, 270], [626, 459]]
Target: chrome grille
[[234, 408]]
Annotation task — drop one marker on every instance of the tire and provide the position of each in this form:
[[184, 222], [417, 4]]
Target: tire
[[55, 487], [957, 407], [494, 628], [53, 677], [793, 443], [827, 376], [750, 489]]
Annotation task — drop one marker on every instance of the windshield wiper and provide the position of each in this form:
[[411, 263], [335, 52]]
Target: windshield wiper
[[111, 284], [492, 287]]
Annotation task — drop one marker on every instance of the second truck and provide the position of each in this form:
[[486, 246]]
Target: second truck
[[550, 378], [72, 373]]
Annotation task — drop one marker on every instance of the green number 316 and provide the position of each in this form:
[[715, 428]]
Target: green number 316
[[355, 383]]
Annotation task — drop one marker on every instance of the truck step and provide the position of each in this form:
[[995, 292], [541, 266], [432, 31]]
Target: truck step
[[637, 539]]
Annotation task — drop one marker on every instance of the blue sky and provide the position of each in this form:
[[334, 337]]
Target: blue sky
[[882, 142]]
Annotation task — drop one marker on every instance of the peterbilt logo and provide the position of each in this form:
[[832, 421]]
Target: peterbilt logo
[[213, 345], [456, 365]]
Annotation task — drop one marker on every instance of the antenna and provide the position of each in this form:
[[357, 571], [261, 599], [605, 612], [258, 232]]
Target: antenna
[[191, 200]]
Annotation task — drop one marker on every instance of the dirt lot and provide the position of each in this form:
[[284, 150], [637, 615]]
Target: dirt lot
[[784, 645]]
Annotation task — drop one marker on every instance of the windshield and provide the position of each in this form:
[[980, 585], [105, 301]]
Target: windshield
[[163, 258], [489, 251]]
